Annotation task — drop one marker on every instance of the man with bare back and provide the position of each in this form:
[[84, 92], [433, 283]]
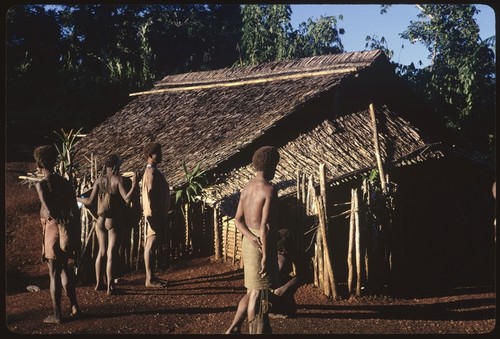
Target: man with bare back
[[60, 218], [155, 205], [256, 218]]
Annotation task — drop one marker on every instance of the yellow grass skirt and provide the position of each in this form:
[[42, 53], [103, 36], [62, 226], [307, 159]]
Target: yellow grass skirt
[[251, 265]]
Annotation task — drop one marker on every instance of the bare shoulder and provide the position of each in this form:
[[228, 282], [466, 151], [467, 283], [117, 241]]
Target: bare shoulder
[[42, 184], [116, 178]]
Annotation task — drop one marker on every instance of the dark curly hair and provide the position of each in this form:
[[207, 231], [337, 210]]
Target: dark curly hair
[[45, 156], [265, 158], [152, 148], [112, 160]]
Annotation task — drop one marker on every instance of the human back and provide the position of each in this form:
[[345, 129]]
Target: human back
[[110, 203], [255, 195], [59, 198]]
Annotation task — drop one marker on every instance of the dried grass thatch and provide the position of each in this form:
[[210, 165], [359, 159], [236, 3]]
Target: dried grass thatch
[[215, 117]]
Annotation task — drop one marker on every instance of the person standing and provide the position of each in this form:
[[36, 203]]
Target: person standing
[[60, 218], [111, 200], [155, 204], [256, 218]]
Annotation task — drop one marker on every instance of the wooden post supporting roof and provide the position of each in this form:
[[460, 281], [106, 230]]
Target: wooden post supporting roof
[[377, 150]]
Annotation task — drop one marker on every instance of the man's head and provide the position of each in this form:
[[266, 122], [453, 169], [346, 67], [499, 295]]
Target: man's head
[[113, 161], [153, 151], [45, 156], [266, 159]]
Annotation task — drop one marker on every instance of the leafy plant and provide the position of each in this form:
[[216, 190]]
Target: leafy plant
[[64, 149], [195, 183]]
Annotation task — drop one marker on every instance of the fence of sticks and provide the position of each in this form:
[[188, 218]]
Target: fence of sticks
[[368, 249]]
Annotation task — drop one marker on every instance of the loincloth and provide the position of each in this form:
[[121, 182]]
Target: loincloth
[[154, 226], [50, 247], [251, 265]]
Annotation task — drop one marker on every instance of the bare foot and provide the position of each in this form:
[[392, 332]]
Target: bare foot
[[52, 319], [99, 287], [113, 291], [234, 330], [154, 284], [75, 311]]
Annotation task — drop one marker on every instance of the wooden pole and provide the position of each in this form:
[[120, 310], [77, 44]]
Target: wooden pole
[[357, 242], [297, 183], [350, 250], [328, 264], [311, 194], [322, 188], [377, 150], [315, 266], [248, 82], [216, 232], [303, 188], [319, 257]]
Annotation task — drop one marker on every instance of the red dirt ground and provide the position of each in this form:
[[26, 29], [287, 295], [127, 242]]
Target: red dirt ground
[[203, 294]]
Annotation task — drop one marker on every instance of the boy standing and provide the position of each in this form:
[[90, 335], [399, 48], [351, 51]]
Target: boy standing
[[256, 219], [59, 215]]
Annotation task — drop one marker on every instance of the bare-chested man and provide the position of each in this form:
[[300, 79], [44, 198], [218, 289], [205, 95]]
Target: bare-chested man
[[58, 206], [256, 219], [155, 205], [111, 194]]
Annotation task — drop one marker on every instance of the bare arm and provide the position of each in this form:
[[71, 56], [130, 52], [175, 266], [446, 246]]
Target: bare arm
[[239, 220], [149, 179], [90, 199], [265, 226], [126, 195], [45, 211]]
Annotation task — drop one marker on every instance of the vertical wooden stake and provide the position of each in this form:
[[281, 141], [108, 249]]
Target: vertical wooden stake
[[322, 187], [217, 243], [377, 150], [322, 231], [350, 250], [357, 241], [319, 257]]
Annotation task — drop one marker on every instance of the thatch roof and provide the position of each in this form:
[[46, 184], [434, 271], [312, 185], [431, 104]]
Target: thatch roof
[[344, 145], [215, 117]]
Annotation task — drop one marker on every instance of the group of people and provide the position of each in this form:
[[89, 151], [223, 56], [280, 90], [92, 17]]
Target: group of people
[[59, 216], [264, 253]]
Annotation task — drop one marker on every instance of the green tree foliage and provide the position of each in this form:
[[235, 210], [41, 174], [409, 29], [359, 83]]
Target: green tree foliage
[[269, 36], [265, 33], [318, 37], [73, 65], [460, 82], [373, 42]]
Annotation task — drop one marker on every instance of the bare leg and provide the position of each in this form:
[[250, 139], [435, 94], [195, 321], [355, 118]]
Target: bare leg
[[102, 238], [112, 253], [149, 248], [290, 286], [68, 283], [252, 304], [55, 291], [241, 314]]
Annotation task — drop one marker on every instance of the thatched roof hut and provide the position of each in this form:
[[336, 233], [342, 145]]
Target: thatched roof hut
[[308, 107]]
